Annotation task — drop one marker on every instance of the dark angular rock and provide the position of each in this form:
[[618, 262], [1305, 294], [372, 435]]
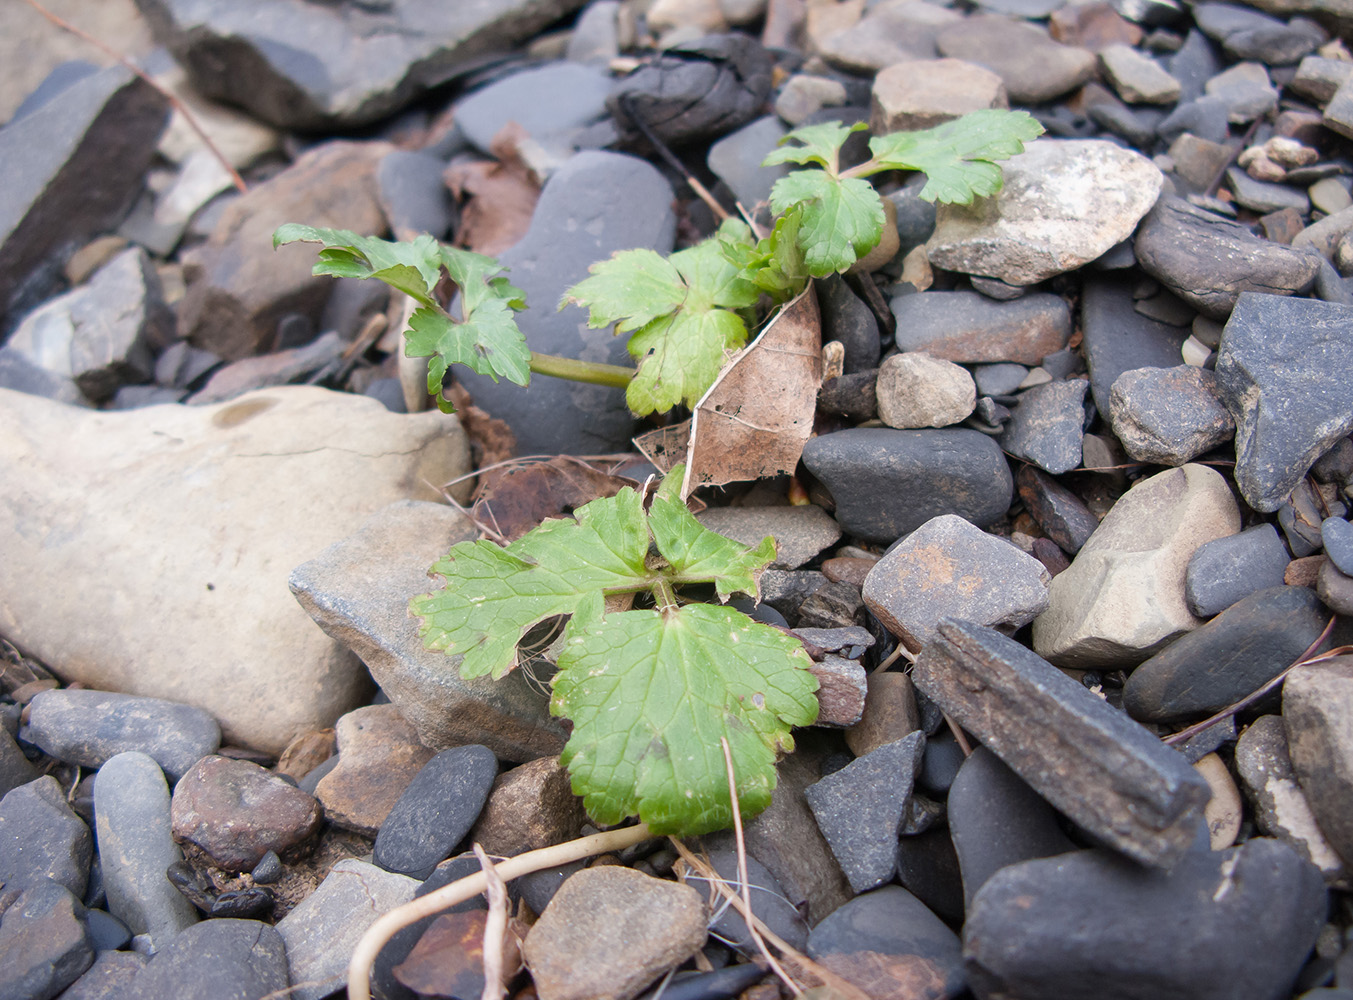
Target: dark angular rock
[[1120, 339], [44, 944], [768, 903], [854, 395], [832, 605], [1227, 569], [318, 67], [968, 327], [108, 977], [1280, 371], [1247, 34], [888, 482], [698, 90], [860, 808], [928, 868], [217, 960], [42, 839], [106, 932], [15, 769], [1209, 261], [1206, 118], [1090, 925], [543, 100], [996, 820], [943, 758], [87, 727], [1104, 771], [1061, 514], [847, 319], [530, 807], [889, 944], [593, 205], [1168, 415], [436, 811], [1047, 425], [1237, 652]]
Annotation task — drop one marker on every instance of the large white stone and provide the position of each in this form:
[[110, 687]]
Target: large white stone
[[1064, 203], [147, 551], [1122, 599]]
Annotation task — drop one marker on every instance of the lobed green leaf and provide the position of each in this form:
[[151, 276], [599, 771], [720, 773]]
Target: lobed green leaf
[[840, 220], [959, 157], [413, 268], [820, 144]]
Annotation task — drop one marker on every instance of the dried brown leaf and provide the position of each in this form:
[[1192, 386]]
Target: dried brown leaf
[[448, 960], [515, 499], [498, 198], [665, 446]]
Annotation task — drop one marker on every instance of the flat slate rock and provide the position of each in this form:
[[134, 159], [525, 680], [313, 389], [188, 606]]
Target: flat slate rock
[[768, 904], [436, 810], [359, 62], [1224, 570], [593, 205], [800, 533], [543, 100], [1047, 425], [1281, 371], [1063, 204], [42, 838], [44, 944], [969, 327], [222, 959], [87, 727], [1221, 662], [1034, 68], [1088, 925], [1104, 771], [888, 943], [736, 160], [1208, 261], [889, 482], [1062, 515]]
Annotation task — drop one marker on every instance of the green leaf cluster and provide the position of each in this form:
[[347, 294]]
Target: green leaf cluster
[[486, 339], [650, 691]]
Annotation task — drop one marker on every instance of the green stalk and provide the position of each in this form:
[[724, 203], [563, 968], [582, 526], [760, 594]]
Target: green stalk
[[616, 376]]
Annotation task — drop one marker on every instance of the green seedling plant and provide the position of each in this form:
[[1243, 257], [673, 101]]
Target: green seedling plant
[[652, 690]]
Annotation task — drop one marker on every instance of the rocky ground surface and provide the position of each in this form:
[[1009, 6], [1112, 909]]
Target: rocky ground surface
[[1083, 455]]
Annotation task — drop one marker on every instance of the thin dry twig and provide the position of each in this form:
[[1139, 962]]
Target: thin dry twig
[[1304, 660], [742, 871], [627, 104], [385, 927], [163, 91], [494, 928], [957, 730]]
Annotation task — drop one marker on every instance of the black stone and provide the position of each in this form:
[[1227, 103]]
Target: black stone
[[436, 811], [719, 984], [768, 904], [928, 868], [1047, 426], [887, 483], [268, 870], [852, 396], [1224, 570], [1233, 925], [41, 838], [1118, 338], [1282, 372], [847, 319], [940, 766], [255, 902], [1061, 514]]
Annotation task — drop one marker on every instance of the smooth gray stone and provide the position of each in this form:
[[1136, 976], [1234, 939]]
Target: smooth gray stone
[[223, 959], [995, 820], [88, 727], [1205, 117], [1047, 426], [1104, 771], [998, 379], [108, 978], [1222, 661], [1247, 90], [1120, 339], [44, 945], [1224, 570], [1263, 196], [1281, 371], [860, 809], [889, 482], [1168, 415], [358, 591], [136, 845], [19, 372], [969, 327], [1090, 925], [595, 36], [413, 196], [41, 838], [62, 76], [1247, 34], [736, 160], [1337, 536], [1196, 62], [928, 868], [543, 100], [322, 66], [593, 205]]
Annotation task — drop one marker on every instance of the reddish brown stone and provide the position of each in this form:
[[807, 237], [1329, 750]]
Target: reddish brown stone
[[841, 691], [1303, 572], [1092, 26], [306, 752], [530, 807], [890, 713], [1282, 226], [378, 755], [847, 570]]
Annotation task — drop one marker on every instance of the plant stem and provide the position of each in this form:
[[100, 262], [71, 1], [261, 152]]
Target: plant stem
[[663, 594], [616, 376]]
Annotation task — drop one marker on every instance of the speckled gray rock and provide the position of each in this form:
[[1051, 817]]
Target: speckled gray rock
[[1122, 599], [800, 533], [44, 944], [948, 568], [108, 977], [88, 727], [136, 845], [1280, 371], [1224, 570], [969, 327], [42, 838], [593, 205], [860, 809], [1168, 415], [1064, 203], [359, 63], [887, 482], [1048, 424], [915, 390], [1137, 78], [358, 591], [222, 959], [1337, 536], [322, 930]]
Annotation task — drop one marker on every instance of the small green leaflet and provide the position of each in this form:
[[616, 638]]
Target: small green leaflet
[[820, 144], [486, 340], [680, 311], [775, 264], [842, 220], [650, 692], [959, 157]]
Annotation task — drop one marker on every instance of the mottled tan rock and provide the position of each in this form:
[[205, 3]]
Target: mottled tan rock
[[1122, 599], [890, 713], [840, 692], [530, 807], [152, 547], [916, 390], [306, 752], [1223, 811], [378, 755], [923, 93], [609, 932], [1318, 718]]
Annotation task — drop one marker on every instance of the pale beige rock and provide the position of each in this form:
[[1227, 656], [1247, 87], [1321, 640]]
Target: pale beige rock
[[1064, 203], [916, 390], [1318, 718], [239, 138], [530, 807], [1137, 77], [923, 93], [1223, 811], [704, 15], [891, 31], [150, 549], [1122, 599]]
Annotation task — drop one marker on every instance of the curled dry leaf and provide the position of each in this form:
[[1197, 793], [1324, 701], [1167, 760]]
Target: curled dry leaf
[[514, 499], [448, 960], [498, 198]]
